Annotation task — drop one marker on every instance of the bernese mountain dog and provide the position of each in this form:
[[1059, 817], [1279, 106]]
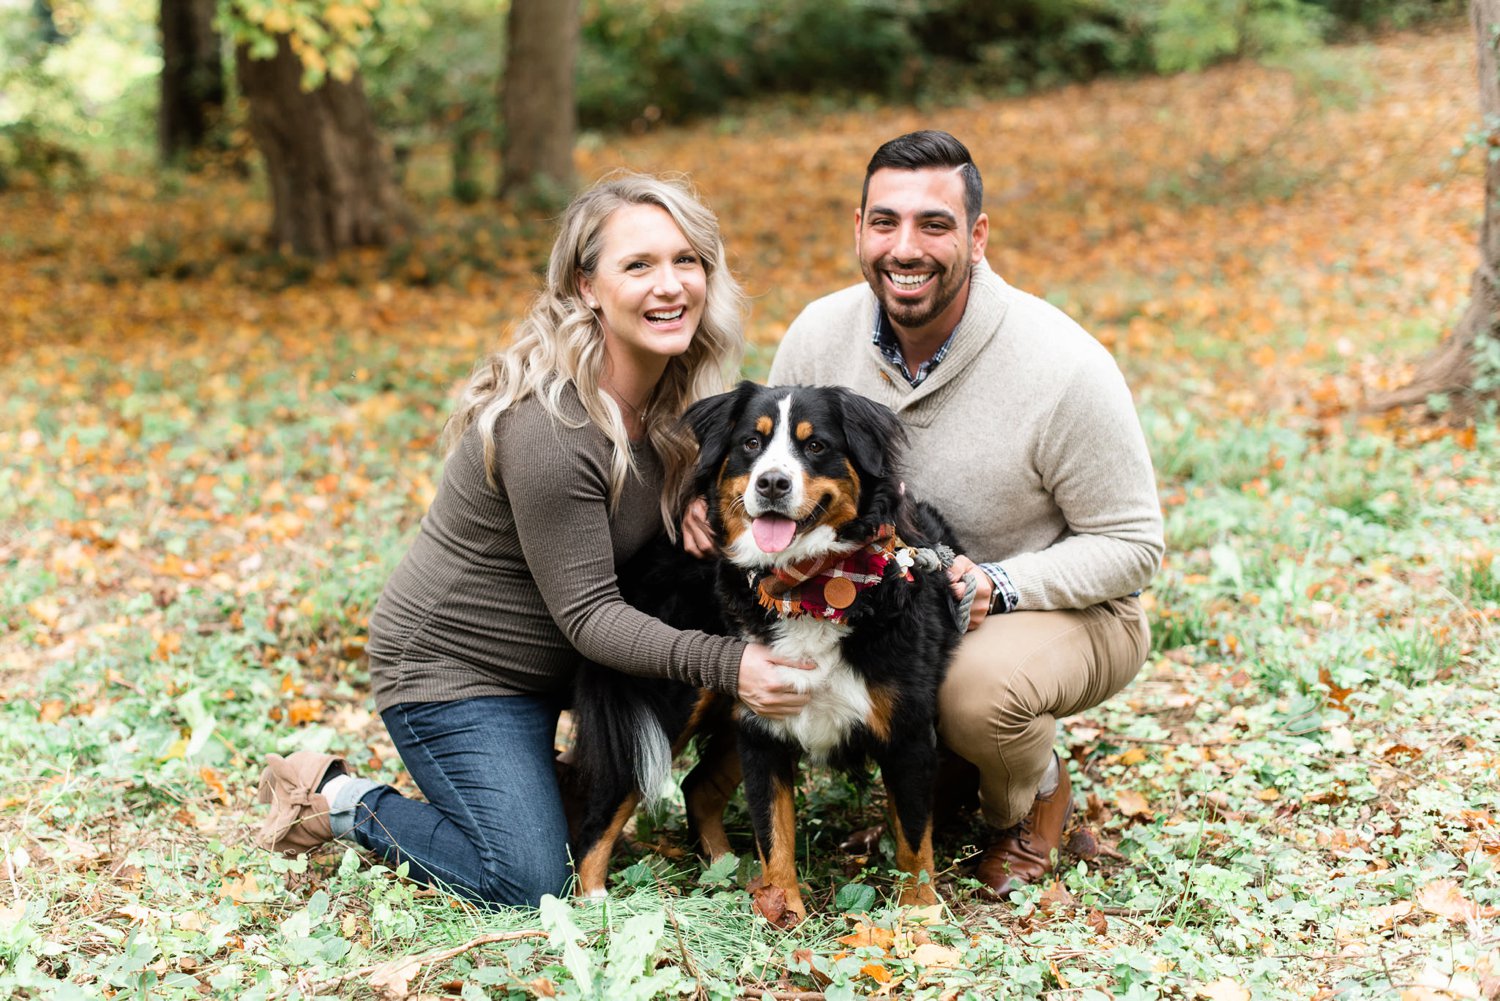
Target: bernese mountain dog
[[824, 559]]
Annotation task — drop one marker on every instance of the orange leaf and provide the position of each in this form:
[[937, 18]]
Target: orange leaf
[[301, 711], [215, 783], [1133, 804], [876, 972], [1446, 900], [869, 935], [1337, 697]]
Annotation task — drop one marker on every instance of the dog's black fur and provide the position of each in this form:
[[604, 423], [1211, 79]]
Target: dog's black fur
[[827, 459]]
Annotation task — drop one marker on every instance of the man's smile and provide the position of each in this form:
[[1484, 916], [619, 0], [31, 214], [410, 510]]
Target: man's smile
[[909, 284]]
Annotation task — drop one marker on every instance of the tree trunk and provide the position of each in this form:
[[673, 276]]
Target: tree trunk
[[536, 100], [192, 76], [1453, 368], [331, 185]]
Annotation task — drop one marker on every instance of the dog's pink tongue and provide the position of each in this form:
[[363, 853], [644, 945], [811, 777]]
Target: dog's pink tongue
[[772, 532]]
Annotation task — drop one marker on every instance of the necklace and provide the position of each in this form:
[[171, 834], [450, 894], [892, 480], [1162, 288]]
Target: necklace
[[638, 413]]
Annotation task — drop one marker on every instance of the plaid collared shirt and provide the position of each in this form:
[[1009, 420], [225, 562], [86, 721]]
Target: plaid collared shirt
[[1004, 597], [890, 348]]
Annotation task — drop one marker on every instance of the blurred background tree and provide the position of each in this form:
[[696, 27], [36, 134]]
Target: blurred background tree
[[192, 76], [1463, 371], [337, 93]]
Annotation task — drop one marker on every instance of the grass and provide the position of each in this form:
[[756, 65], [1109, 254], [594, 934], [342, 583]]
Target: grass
[[1310, 746]]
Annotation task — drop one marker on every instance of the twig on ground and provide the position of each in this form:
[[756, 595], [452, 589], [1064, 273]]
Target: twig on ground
[[687, 960], [420, 961]]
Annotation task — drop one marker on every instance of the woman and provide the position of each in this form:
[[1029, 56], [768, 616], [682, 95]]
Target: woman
[[564, 458]]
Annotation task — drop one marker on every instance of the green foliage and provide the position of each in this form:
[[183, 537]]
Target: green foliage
[[642, 62], [434, 77], [79, 81], [1191, 34]]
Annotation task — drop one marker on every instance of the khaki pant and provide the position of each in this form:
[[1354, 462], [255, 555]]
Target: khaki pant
[[1014, 676]]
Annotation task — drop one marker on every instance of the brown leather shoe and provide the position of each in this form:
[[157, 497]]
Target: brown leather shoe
[[1025, 854]]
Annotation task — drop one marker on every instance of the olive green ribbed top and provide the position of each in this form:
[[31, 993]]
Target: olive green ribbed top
[[507, 588]]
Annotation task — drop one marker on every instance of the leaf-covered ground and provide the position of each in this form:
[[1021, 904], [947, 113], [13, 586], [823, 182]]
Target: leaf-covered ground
[[211, 457]]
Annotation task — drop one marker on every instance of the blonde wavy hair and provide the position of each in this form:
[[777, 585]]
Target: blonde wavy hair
[[561, 342]]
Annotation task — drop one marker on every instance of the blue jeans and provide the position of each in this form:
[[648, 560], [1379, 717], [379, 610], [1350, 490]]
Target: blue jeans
[[493, 828]]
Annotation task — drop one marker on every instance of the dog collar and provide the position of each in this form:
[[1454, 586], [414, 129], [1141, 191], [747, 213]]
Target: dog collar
[[826, 586]]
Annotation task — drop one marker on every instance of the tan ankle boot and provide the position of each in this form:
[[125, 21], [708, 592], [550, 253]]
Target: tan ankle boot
[[298, 821]]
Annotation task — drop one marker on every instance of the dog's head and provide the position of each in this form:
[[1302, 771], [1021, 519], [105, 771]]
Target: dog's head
[[795, 472]]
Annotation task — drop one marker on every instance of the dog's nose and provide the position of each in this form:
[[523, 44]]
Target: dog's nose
[[773, 484]]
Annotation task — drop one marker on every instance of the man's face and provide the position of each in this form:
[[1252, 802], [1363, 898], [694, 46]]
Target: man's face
[[916, 246]]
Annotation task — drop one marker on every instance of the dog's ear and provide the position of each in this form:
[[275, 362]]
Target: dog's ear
[[712, 420], [874, 433], [875, 438]]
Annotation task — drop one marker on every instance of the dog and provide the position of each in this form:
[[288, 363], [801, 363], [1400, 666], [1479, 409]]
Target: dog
[[824, 559]]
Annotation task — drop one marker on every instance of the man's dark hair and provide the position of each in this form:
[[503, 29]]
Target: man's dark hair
[[925, 149]]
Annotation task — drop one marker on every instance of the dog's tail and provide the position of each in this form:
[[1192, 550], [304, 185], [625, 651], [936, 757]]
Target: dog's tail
[[622, 724]]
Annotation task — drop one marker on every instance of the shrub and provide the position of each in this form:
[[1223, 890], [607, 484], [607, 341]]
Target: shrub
[[643, 61]]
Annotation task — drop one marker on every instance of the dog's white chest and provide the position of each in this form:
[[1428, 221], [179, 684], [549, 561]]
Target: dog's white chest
[[840, 701]]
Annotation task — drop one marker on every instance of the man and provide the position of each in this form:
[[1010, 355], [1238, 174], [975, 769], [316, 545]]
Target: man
[[1024, 434]]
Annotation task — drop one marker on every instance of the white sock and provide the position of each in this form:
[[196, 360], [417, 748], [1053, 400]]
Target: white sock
[[332, 786], [1049, 779]]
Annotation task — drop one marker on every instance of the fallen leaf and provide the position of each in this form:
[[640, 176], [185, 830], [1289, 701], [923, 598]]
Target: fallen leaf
[[867, 935], [1055, 897], [240, 890], [392, 979], [806, 957], [1224, 989], [770, 901], [1133, 804], [215, 781], [1446, 900], [933, 955]]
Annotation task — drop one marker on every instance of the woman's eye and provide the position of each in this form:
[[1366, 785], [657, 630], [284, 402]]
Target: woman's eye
[[752, 444], [815, 446]]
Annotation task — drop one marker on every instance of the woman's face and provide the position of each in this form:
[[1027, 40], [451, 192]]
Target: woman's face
[[648, 288]]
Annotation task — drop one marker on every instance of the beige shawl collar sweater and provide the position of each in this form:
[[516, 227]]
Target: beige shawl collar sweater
[[1025, 436]]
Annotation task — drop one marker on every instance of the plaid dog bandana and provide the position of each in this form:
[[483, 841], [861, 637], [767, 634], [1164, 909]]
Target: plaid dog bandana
[[827, 586]]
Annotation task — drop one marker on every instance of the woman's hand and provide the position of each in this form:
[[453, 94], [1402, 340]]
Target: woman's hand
[[764, 687], [962, 567], [697, 538]]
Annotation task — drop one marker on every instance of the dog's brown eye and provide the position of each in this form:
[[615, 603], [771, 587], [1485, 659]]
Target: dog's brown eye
[[815, 446], [752, 444]]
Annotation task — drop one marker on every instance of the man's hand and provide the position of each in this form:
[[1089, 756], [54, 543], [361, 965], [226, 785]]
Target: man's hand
[[697, 539], [985, 589], [764, 686]]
